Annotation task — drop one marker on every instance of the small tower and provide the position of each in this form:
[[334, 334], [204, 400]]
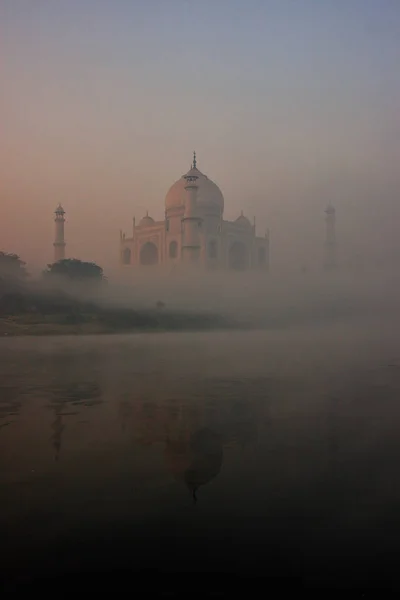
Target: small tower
[[330, 238], [59, 241], [191, 222]]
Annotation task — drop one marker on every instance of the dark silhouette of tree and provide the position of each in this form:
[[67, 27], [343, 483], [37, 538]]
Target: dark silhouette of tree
[[75, 270], [12, 267]]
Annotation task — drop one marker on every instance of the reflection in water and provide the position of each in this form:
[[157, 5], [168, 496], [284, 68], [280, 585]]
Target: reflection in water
[[194, 431], [197, 461], [66, 399], [261, 428], [66, 384]]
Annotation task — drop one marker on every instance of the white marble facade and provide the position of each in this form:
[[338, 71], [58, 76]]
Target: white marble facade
[[194, 233]]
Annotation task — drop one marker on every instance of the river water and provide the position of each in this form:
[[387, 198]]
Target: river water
[[263, 454]]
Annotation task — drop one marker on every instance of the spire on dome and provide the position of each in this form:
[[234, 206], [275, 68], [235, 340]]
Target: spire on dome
[[194, 160]]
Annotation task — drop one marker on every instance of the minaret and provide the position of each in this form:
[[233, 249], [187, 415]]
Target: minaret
[[191, 222], [330, 238], [59, 242]]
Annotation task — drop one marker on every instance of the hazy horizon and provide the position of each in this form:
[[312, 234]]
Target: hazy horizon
[[288, 105]]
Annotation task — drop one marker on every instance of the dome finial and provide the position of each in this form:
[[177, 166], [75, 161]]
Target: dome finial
[[194, 160]]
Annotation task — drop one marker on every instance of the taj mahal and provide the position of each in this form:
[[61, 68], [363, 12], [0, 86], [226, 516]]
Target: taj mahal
[[194, 233]]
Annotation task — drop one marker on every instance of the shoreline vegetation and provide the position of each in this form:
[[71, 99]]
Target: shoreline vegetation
[[70, 299], [56, 313]]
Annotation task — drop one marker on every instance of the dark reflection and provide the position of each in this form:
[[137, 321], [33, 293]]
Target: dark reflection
[[195, 431], [68, 388], [66, 400], [196, 461]]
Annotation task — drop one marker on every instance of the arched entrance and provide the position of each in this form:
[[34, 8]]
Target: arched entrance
[[238, 257], [148, 254]]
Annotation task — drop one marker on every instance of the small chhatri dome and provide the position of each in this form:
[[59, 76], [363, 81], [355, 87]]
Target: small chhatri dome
[[146, 221], [59, 210], [243, 221], [330, 210], [209, 196]]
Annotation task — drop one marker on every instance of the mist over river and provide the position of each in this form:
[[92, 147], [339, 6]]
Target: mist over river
[[268, 454]]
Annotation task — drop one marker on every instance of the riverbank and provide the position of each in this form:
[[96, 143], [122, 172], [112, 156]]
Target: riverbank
[[107, 322], [28, 309]]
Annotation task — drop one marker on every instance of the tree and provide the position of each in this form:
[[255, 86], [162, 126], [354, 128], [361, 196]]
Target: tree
[[75, 270], [12, 267]]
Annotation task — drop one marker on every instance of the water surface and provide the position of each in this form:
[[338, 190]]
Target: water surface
[[271, 454]]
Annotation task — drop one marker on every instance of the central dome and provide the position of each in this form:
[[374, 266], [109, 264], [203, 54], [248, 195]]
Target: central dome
[[209, 196]]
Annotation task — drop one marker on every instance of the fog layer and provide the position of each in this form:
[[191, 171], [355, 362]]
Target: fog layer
[[260, 299]]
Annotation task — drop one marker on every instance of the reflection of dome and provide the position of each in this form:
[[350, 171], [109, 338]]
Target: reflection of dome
[[146, 221], [209, 196], [243, 221], [196, 462]]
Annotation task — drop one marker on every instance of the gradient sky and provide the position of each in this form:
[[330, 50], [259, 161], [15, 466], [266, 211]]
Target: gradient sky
[[288, 103]]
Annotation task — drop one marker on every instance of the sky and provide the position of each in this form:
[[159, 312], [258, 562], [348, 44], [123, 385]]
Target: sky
[[289, 104]]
